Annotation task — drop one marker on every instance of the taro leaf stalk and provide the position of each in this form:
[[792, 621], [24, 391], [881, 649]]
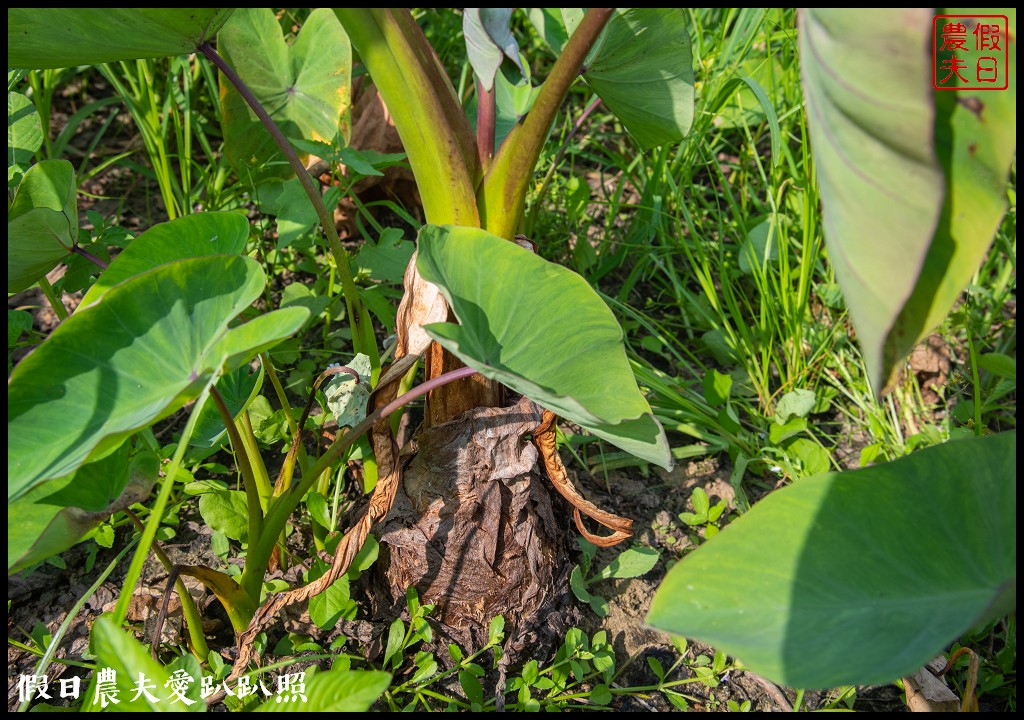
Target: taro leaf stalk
[[448, 166], [442, 148], [359, 318]]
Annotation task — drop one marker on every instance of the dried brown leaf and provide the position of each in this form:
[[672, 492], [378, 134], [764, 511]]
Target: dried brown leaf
[[622, 528], [421, 305]]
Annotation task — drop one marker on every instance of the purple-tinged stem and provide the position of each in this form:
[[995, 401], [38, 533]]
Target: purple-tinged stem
[[486, 120], [79, 250], [362, 339]]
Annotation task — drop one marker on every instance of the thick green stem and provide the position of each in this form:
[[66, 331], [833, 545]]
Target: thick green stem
[[252, 449], [55, 302], [252, 493], [283, 505], [362, 333], [428, 116], [503, 194]]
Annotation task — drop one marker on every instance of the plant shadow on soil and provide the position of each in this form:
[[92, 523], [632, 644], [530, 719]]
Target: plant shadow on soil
[[45, 596]]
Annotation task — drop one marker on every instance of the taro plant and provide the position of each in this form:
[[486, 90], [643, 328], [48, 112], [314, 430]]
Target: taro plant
[[167, 322], [509, 341]]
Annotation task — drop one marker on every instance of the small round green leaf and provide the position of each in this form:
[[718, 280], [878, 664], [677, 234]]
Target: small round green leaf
[[327, 607], [630, 564], [226, 512], [794, 404]]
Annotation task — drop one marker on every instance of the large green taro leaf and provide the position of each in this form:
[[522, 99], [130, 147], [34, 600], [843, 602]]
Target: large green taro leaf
[[42, 224], [912, 180], [976, 142], [540, 329], [198, 235], [62, 37], [55, 515], [643, 72], [304, 88], [857, 577], [143, 352]]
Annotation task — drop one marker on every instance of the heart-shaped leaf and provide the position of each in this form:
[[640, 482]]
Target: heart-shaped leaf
[[796, 403], [388, 258], [304, 88], [226, 512], [857, 577], [126, 362], [912, 181], [64, 37], [199, 235], [540, 329], [42, 224], [643, 72]]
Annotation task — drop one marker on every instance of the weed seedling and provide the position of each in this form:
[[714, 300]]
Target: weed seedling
[[629, 564], [704, 516]]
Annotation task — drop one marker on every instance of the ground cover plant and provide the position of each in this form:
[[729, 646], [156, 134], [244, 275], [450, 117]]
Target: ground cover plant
[[699, 302]]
